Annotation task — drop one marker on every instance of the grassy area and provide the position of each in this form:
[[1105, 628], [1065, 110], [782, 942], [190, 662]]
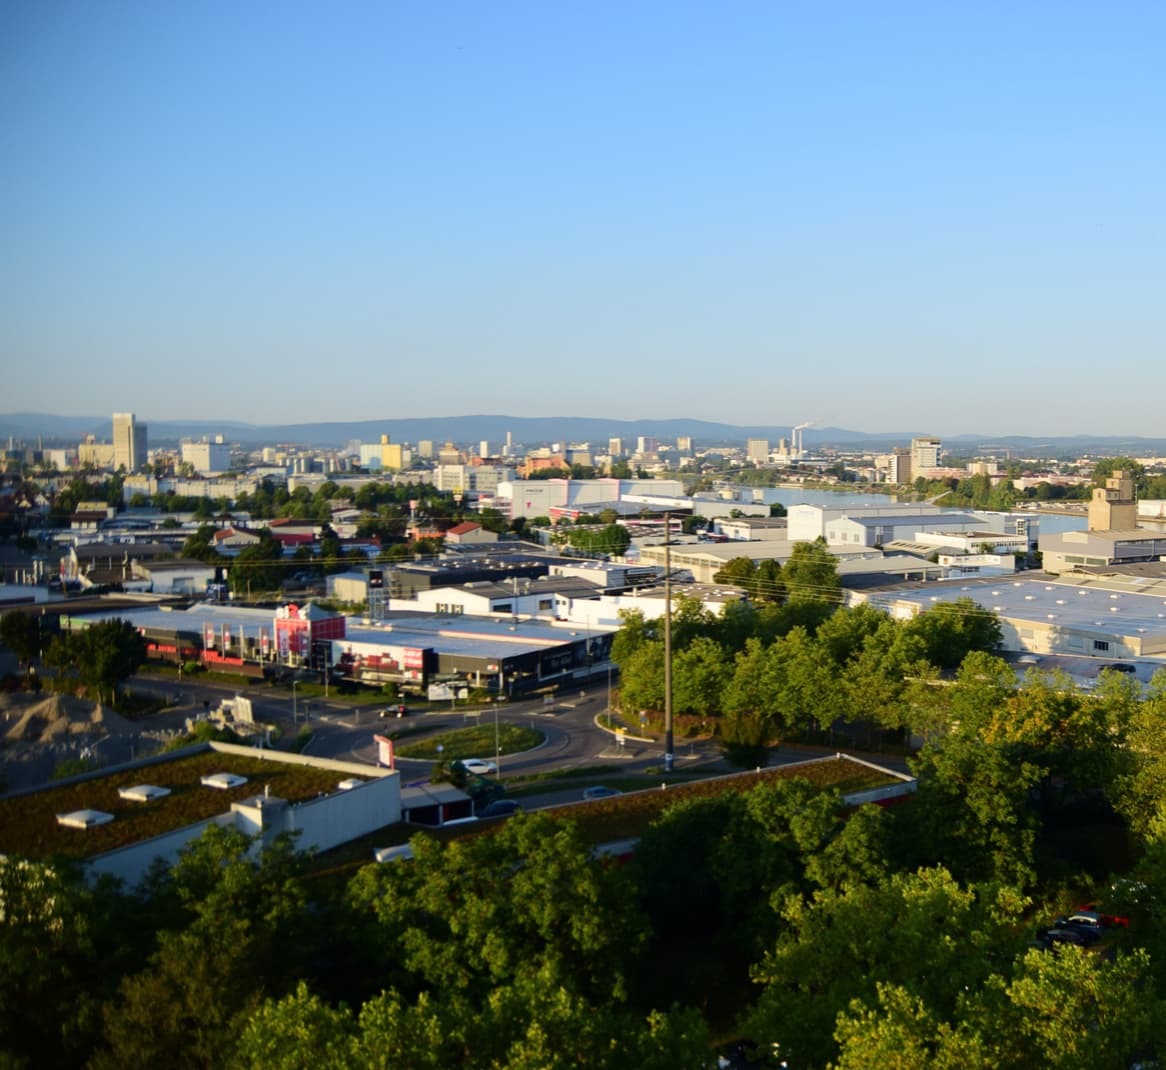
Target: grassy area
[[476, 742]]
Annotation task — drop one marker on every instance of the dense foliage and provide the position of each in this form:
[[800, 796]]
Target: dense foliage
[[772, 915]]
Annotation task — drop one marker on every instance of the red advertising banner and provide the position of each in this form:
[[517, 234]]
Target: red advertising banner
[[385, 751]]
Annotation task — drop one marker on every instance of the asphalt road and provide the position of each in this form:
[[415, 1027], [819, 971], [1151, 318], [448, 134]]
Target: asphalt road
[[572, 739]]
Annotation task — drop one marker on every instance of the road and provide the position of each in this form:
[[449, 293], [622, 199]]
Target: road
[[572, 739]]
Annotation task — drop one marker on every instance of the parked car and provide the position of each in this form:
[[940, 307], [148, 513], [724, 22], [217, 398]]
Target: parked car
[[1110, 921], [600, 792], [501, 808], [1068, 935], [1119, 666], [478, 766]]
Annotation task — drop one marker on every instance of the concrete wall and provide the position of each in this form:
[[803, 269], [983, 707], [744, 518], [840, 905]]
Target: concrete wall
[[336, 819], [131, 863]]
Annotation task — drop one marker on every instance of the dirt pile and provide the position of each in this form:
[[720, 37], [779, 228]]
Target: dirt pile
[[31, 719]]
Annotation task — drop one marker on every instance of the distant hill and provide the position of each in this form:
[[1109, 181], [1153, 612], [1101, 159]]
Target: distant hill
[[536, 430]]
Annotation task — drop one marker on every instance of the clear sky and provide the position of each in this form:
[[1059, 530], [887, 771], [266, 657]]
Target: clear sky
[[878, 216]]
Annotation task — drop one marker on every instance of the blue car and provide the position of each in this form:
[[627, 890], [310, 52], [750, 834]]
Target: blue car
[[501, 808], [599, 792]]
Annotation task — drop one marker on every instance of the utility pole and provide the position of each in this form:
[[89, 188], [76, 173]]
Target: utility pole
[[668, 756]]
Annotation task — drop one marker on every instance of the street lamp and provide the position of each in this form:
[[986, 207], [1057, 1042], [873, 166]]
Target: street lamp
[[497, 747], [295, 709]]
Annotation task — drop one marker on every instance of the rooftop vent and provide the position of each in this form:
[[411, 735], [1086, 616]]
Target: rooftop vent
[[223, 781], [142, 792], [84, 819]]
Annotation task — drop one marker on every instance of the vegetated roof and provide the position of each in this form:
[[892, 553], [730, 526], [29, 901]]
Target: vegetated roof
[[630, 814], [28, 822]]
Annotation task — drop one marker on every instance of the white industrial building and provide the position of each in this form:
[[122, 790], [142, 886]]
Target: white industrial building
[[1097, 616], [536, 497], [208, 457], [877, 525]]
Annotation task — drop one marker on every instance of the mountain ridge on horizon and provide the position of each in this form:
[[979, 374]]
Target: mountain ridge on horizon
[[524, 429]]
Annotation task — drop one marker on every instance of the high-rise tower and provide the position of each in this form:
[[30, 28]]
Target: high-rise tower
[[129, 442]]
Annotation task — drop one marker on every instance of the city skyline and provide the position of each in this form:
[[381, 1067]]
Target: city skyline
[[868, 218]]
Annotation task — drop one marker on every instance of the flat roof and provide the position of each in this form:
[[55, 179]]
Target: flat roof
[[906, 518], [471, 636], [194, 619], [1069, 602]]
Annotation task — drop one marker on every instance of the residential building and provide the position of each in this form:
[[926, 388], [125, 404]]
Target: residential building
[[469, 534], [757, 450], [898, 466], [129, 442], [615, 447], [425, 449]]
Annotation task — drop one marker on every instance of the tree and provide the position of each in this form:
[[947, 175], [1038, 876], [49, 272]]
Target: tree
[[492, 520], [102, 655], [811, 573], [20, 632], [611, 539], [1106, 467], [971, 811], [951, 630], [298, 1032], [1140, 789], [50, 963], [700, 673], [258, 567], [527, 901], [641, 678], [923, 930], [200, 546], [739, 571]]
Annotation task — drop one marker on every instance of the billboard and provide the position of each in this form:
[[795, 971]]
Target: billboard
[[414, 657]]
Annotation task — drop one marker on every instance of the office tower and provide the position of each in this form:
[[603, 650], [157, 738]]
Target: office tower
[[924, 454], [129, 442], [757, 450]]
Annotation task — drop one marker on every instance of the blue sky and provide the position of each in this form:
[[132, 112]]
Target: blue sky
[[875, 216]]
